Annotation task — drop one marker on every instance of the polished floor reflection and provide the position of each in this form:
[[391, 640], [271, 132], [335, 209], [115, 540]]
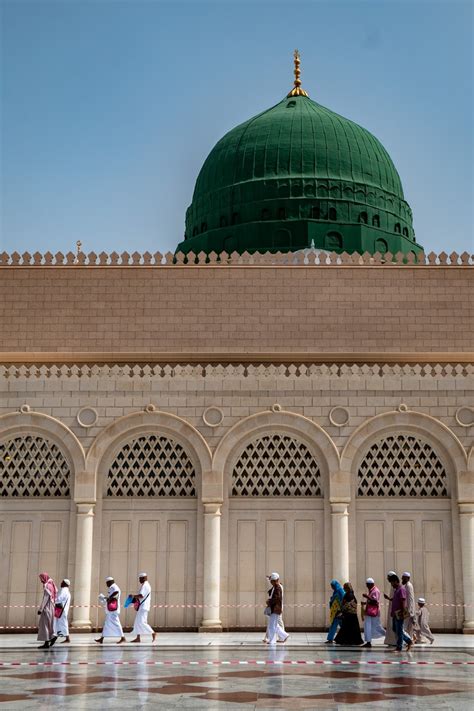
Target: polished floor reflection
[[217, 678]]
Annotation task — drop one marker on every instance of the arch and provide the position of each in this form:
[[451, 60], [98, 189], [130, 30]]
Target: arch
[[275, 465], [283, 422], [363, 218], [26, 423], [426, 426], [397, 228], [151, 465], [401, 465], [332, 214], [381, 246], [376, 221], [405, 231], [118, 433]]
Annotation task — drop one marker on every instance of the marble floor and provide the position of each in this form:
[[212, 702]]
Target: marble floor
[[238, 676]]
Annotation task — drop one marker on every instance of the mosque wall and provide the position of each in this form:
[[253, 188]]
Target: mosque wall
[[239, 308], [211, 530]]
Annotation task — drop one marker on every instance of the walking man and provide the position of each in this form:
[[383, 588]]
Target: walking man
[[280, 617], [275, 603], [112, 626], [409, 623], [61, 611], [399, 612], [372, 627], [142, 604], [390, 638]]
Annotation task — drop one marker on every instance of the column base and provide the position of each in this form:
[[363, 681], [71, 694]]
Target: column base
[[210, 626], [468, 628], [81, 626]]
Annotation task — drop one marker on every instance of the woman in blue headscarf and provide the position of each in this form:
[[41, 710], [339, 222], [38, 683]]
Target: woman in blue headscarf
[[335, 607]]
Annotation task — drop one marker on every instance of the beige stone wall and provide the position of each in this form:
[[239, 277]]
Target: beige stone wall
[[238, 391], [225, 309], [433, 402]]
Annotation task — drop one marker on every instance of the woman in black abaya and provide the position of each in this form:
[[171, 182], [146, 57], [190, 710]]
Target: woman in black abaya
[[349, 632]]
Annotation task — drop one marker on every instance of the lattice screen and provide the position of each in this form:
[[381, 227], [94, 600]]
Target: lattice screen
[[151, 466], [33, 466], [401, 465], [276, 465]]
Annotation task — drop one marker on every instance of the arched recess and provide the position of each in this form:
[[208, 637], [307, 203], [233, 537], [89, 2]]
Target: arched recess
[[268, 525], [403, 469], [36, 526], [151, 526]]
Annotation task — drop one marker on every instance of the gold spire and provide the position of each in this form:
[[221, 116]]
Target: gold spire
[[297, 90]]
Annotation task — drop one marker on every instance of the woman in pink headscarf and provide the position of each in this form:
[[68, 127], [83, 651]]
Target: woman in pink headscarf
[[46, 611]]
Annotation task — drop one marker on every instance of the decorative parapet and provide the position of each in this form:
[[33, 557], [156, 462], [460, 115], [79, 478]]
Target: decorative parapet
[[306, 257], [436, 371]]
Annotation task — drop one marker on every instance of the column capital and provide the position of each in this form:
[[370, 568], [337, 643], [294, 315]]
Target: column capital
[[466, 507], [339, 507], [85, 508], [212, 508]]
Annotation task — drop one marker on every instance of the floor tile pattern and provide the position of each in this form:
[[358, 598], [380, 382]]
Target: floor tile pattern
[[219, 679]]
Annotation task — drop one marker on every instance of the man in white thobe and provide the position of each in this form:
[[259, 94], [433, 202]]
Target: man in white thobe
[[409, 623], [61, 624], [143, 599], [112, 626], [372, 627]]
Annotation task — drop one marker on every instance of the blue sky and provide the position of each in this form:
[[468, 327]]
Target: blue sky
[[108, 108]]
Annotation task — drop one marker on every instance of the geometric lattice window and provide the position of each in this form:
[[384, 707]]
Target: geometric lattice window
[[276, 465], [401, 465], [151, 466], [33, 466]]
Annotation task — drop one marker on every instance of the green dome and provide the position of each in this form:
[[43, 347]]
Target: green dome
[[295, 175]]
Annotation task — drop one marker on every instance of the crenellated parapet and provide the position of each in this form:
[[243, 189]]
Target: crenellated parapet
[[305, 257]]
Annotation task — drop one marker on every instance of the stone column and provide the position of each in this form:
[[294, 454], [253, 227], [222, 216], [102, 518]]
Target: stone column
[[212, 568], [466, 518], [83, 574], [340, 542]]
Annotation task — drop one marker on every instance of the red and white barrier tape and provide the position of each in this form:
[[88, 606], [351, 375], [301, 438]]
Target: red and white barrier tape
[[241, 662], [240, 605]]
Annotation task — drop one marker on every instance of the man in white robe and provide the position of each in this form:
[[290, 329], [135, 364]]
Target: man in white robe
[[61, 624], [409, 622], [372, 627], [143, 599], [112, 626]]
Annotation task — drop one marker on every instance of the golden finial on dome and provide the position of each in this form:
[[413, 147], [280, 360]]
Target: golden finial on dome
[[297, 90]]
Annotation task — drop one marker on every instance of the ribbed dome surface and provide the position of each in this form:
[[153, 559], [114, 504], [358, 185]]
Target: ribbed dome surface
[[297, 175], [298, 137]]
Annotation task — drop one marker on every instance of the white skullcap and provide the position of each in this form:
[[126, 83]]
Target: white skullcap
[[274, 576], [370, 580], [142, 575], [67, 581], [406, 575], [391, 573], [422, 600], [109, 579]]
